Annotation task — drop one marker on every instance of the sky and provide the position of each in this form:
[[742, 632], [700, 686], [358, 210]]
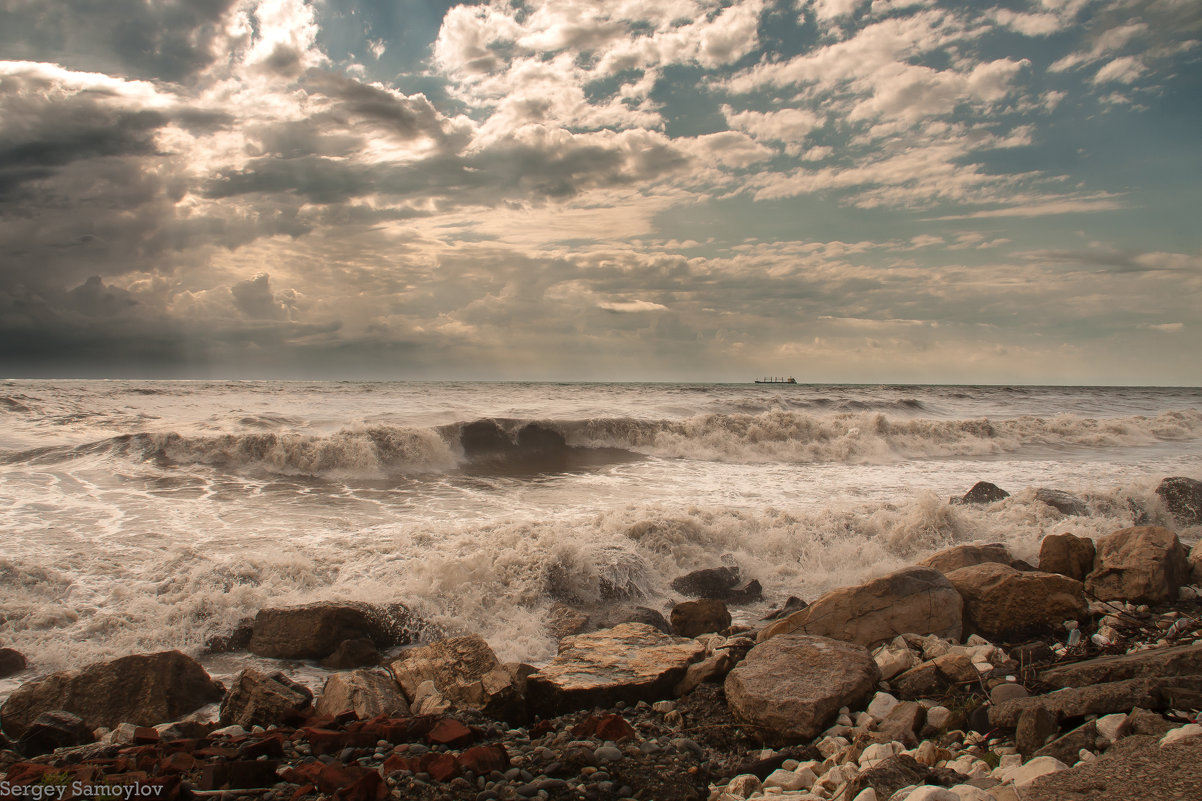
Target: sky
[[904, 191]]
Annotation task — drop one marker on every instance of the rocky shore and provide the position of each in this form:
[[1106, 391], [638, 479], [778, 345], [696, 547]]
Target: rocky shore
[[971, 676]]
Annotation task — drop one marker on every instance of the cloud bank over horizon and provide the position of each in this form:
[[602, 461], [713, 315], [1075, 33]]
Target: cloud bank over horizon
[[842, 190]]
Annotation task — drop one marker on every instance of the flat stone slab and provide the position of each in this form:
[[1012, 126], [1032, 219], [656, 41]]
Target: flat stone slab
[[1098, 699], [1182, 660], [631, 662]]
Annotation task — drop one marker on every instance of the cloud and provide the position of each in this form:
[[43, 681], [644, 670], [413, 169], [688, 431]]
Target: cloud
[[629, 306]]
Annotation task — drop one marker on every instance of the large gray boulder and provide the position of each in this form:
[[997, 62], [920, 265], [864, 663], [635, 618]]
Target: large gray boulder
[[143, 689], [632, 662], [465, 672], [791, 687], [1004, 603], [367, 693], [1143, 564], [315, 631], [914, 600]]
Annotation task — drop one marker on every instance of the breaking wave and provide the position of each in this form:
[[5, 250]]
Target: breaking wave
[[517, 446]]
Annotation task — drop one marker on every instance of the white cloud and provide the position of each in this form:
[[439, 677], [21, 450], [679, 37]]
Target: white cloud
[[627, 306], [1126, 69]]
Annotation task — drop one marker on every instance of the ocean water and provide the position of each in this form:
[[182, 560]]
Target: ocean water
[[140, 516]]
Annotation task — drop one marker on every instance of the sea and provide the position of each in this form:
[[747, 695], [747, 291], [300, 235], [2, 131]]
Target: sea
[[140, 516]]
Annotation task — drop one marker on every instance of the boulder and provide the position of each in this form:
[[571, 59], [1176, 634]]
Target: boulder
[[617, 615], [1062, 502], [1183, 497], [1143, 564], [564, 621], [467, 673], [1003, 603], [315, 631], [51, 730], [959, 556], [632, 662], [260, 699], [140, 689], [918, 600], [1066, 554], [692, 618], [983, 492], [711, 582], [11, 662], [352, 654], [791, 687], [367, 693], [1181, 660]]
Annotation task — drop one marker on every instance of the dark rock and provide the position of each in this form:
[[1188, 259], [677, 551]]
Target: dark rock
[[648, 617], [140, 689], [11, 662], [791, 687], [599, 573], [692, 618], [749, 593], [352, 654], [959, 556], [51, 730], [762, 768], [1031, 653], [1035, 725], [258, 699], [983, 492], [712, 582], [1003, 603], [236, 640], [1143, 564], [314, 631], [791, 605], [1062, 502], [1183, 497], [935, 677], [1067, 747], [1067, 554]]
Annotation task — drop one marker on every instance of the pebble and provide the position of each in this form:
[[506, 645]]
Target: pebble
[[607, 753]]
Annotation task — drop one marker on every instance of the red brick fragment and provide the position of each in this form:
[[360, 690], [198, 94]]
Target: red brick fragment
[[370, 787], [178, 762], [449, 731], [441, 767], [324, 741], [541, 728], [144, 735], [607, 727], [483, 759], [271, 746]]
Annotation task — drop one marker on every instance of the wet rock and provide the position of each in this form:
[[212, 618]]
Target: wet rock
[[632, 614], [954, 558], [51, 730], [1062, 502], [984, 492], [11, 662], [315, 631], [236, 640], [598, 573], [367, 693], [917, 600], [792, 686], [564, 621], [693, 618], [630, 663], [141, 689], [792, 604], [711, 582], [260, 699], [1181, 660], [1183, 497], [1143, 564], [466, 673], [352, 654], [1001, 602], [1067, 554]]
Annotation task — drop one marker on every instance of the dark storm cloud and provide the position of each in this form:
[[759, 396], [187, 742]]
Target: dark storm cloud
[[169, 40]]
